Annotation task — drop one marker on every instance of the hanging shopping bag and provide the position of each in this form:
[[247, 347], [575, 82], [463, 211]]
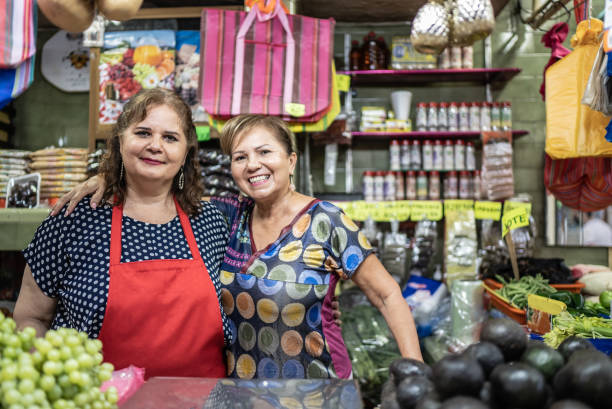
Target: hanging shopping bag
[[318, 126], [17, 32], [13, 81], [272, 64], [572, 129], [580, 183]]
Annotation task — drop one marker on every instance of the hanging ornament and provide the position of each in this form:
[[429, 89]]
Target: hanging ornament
[[430, 28], [471, 20]]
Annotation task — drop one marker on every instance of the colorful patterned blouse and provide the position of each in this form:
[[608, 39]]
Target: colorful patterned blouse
[[278, 299]]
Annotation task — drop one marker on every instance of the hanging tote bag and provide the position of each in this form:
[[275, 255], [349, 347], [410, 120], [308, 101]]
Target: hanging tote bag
[[581, 183], [574, 130], [13, 81], [265, 63], [17, 32]]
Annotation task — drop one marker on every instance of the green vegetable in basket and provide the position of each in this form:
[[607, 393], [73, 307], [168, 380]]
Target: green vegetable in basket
[[566, 325], [517, 291]]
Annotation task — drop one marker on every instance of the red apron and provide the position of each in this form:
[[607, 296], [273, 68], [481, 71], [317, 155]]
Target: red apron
[[162, 315]]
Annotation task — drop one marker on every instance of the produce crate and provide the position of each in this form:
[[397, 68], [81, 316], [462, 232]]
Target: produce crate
[[575, 288], [602, 344], [517, 315]]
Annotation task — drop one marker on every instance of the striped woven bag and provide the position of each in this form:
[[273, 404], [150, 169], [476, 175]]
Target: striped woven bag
[[17, 32]]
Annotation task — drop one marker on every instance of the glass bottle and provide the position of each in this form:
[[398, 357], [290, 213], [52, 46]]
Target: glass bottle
[[355, 56]]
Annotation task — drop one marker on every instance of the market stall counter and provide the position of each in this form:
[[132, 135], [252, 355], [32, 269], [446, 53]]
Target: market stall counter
[[209, 393]]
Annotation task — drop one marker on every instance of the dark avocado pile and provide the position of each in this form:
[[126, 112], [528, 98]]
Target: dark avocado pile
[[504, 371]]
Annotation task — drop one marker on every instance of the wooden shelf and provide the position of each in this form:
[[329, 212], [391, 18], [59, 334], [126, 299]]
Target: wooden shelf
[[516, 134], [497, 77], [18, 227]]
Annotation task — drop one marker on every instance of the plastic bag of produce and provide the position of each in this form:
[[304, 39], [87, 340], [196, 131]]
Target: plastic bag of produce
[[127, 381]]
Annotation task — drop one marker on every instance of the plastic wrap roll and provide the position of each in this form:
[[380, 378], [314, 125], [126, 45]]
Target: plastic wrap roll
[[467, 310]]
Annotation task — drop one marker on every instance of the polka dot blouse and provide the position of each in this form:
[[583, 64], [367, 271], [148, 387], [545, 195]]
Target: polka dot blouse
[[70, 256]]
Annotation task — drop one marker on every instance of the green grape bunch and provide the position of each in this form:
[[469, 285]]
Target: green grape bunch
[[63, 370]]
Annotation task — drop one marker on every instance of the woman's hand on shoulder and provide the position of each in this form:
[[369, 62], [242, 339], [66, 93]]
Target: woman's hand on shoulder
[[93, 185]]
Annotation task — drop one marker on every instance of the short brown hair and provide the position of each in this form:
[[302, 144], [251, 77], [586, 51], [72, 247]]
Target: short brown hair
[[136, 111], [242, 123]]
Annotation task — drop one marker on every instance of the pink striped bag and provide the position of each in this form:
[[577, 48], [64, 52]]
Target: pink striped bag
[[272, 64], [17, 32]]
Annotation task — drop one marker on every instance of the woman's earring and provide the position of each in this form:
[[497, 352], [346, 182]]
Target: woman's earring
[[121, 173], [181, 181], [291, 185]]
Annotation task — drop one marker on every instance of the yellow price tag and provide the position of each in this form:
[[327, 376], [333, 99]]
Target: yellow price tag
[[514, 219], [295, 109], [487, 210], [458, 205], [426, 209], [510, 205], [553, 307], [343, 82]]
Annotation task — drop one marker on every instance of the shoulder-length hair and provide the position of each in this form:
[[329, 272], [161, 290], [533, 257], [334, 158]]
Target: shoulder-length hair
[[136, 111]]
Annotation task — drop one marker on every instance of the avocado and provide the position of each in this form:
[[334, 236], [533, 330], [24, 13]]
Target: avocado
[[588, 380], [458, 375], [412, 389], [544, 359], [403, 367], [572, 344], [518, 385], [508, 335], [487, 354], [568, 404], [485, 393], [390, 402], [583, 354], [429, 402], [387, 389], [463, 402]]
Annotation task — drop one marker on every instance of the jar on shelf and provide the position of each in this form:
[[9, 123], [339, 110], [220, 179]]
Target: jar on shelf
[[459, 155], [421, 117], [405, 154], [443, 117], [432, 117], [467, 57], [475, 116], [370, 53], [415, 155], [400, 190], [455, 57], [506, 116], [379, 186], [470, 156], [434, 185], [450, 185], [394, 155], [411, 185], [485, 116], [427, 155], [496, 116], [464, 117], [421, 184], [465, 180], [477, 185], [444, 59], [368, 186], [389, 188], [453, 117], [438, 155], [449, 155]]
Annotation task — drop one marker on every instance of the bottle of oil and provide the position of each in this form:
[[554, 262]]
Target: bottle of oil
[[370, 52], [355, 56], [384, 55]]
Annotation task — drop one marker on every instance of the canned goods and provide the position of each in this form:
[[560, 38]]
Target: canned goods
[[405, 155], [464, 117], [464, 185], [470, 156], [443, 117], [438, 155], [496, 116], [455, 57], [453, 117], [485, 116], [475, 116], [399, 186], [432, 117], [450, 185], [415, 155], [421, 117]]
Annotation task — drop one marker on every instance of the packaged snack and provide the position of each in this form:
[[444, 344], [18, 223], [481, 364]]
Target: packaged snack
[[497, 175]]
